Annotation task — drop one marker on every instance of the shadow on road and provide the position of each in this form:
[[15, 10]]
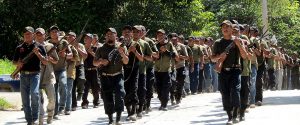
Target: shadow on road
[[291, 100]]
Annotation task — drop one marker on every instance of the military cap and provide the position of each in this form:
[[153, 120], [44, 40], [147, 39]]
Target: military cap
[[72, 33], [89, 35], [127, 27], [138, 27]]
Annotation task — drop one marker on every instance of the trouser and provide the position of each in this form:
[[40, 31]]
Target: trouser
[[177, 86], [187, 81], [61, 90], [215, 80], [78, 84], [285, 79], [92, 82], [163, 83], [295, 81], [201, 80], [244, 92], [252, 84], [50, 92], [70, 82], [271, 83], [230, 86], [150, 79], [141, 92], [29, 88], [113, 93], [131, 76], [194, 78], [259, 83], [207, 78]]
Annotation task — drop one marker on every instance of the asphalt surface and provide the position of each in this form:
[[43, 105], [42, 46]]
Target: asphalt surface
[[279, 108]]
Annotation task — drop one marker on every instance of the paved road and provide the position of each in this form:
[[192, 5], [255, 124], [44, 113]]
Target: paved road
[[280, 107]]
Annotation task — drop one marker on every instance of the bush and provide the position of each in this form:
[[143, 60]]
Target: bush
[[4, 105], [6, 66]]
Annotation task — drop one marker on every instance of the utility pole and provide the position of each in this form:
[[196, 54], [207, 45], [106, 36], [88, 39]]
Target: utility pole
[[265, 15]]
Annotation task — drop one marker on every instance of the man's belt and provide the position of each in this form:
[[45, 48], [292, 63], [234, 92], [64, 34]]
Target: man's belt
[[29, 72], [111, 74], [95, 68]]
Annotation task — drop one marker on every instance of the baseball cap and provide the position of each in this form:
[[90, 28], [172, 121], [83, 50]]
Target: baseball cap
[[54, 27], [161, 31], [89, 35], [40, 30], [227, 22], [138, 27], [127, 27], [28, 29], [72, 33], [113, 30]]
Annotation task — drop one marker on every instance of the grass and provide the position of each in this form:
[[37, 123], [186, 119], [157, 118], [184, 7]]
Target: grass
[[4, 105], [6, 66]]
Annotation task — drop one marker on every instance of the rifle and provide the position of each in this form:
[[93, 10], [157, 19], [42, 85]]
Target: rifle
[[14, 75], [77, 39], [219, 64], [44, 66]]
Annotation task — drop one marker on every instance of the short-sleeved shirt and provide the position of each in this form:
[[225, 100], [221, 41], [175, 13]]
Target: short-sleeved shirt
[[163, 64], [233, 56], [153, 48], [261, 44], [204, 49], [146, 50], [133, 60], [61, 64], [181, 50], [33, 63], [71, 70], [197, 53], [111, 53]]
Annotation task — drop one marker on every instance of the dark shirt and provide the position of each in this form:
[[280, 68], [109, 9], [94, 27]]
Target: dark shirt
[[33, 64], [88, 62], [112, 55], [233, 57], [133, 60]]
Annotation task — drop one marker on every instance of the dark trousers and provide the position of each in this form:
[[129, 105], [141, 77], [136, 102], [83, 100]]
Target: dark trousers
[[177, 86], [113, 93], [194, 78], [295, 81], [150, 79], [271, 83], [259, 83], [92, 82], [230, 86], [78, 84], [163, 83], [141, 92], [131, 85], [244, 92], [201, 80]]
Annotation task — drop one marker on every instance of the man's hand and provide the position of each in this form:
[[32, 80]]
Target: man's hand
[[132, 49], [163, 49], [36, 51], [62, 53], [103, 62], [20, 64]]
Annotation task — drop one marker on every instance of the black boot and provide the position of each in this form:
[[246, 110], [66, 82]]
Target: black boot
[[235, 115], [133, 113], [139, 111], [229, 114], [242, 115], [110, 117], [118, 118]]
